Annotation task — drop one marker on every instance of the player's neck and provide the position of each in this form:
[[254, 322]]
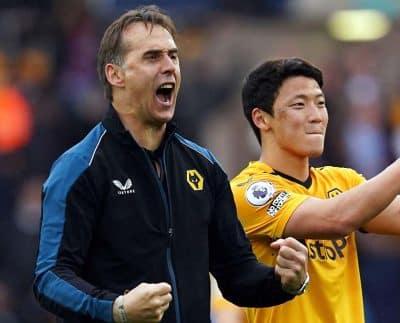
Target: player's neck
[[146, 135], [286, 163]]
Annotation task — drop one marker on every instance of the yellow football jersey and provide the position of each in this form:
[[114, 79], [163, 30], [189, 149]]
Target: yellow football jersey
[[265, 200]]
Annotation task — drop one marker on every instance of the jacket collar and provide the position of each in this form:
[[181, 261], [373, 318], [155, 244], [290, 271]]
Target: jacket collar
[[113, 124]]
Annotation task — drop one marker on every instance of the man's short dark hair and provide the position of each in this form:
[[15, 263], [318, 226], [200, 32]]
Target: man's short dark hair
[[261, 86], [111, 48]]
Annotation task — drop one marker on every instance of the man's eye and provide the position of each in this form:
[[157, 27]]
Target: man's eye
[[297, 105], [152, 56]]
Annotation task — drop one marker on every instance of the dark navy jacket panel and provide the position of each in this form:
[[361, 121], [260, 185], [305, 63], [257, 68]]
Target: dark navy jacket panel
[[109, 223]]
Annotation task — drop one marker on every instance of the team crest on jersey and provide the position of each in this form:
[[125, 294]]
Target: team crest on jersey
[[194, 179], [259, 193], [334, 192]]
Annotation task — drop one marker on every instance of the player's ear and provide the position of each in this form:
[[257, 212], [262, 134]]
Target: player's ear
[[115, 75], [261, 119]]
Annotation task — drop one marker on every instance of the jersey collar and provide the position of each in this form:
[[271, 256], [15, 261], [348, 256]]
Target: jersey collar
[[113, 124], [268, 169]]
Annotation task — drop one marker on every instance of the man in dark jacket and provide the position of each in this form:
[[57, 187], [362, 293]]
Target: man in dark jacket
[[136, 216]]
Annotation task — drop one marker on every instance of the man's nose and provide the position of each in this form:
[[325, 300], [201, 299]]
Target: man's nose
[[315, 113], [169, 65]]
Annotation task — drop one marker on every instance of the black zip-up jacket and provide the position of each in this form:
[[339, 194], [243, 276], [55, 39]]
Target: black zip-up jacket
[[109, 222]]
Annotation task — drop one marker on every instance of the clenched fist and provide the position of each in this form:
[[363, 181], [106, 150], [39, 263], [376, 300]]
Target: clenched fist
[[291, 264], [145, 303]]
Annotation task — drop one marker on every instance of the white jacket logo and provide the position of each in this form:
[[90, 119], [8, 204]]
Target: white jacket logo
[[124, 188]]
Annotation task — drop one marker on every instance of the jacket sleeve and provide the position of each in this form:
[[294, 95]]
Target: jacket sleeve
[[68, 218], [242, 279]]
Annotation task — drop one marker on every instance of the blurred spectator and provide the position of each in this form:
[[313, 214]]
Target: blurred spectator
[[394, 119], [15, 120], [364, 135], [379, 258], [15, 113], [6, 300]]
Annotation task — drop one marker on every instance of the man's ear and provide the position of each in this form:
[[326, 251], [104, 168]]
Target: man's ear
[[261, 119], [115, 75]]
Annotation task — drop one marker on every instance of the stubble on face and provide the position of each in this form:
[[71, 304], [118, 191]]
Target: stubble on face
[[150, 62]]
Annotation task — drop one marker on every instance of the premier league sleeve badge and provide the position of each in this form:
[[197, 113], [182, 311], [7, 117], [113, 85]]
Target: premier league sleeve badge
[[259, 193]]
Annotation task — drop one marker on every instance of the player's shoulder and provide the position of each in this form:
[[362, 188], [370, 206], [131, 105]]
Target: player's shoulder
[[254, 171], [347, 176], [76, 159], [256, 177], [333, 171], [198, 149]]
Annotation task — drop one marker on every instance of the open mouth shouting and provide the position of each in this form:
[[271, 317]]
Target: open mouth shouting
[[164, 93]]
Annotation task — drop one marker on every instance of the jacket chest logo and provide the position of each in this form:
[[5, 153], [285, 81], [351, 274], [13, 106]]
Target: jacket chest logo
[[194, 179], [124, 188]]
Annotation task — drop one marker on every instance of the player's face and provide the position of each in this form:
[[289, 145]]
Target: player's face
[[300, 117], [151, 73]]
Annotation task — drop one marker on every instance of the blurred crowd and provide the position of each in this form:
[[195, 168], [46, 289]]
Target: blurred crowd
[[50, 97]]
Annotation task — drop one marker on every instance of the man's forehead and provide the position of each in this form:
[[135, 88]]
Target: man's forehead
[[147, 37], [140, 30], [300, 84]]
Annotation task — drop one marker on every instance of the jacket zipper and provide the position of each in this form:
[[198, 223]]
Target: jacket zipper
[[170, 237], [170, 231]]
